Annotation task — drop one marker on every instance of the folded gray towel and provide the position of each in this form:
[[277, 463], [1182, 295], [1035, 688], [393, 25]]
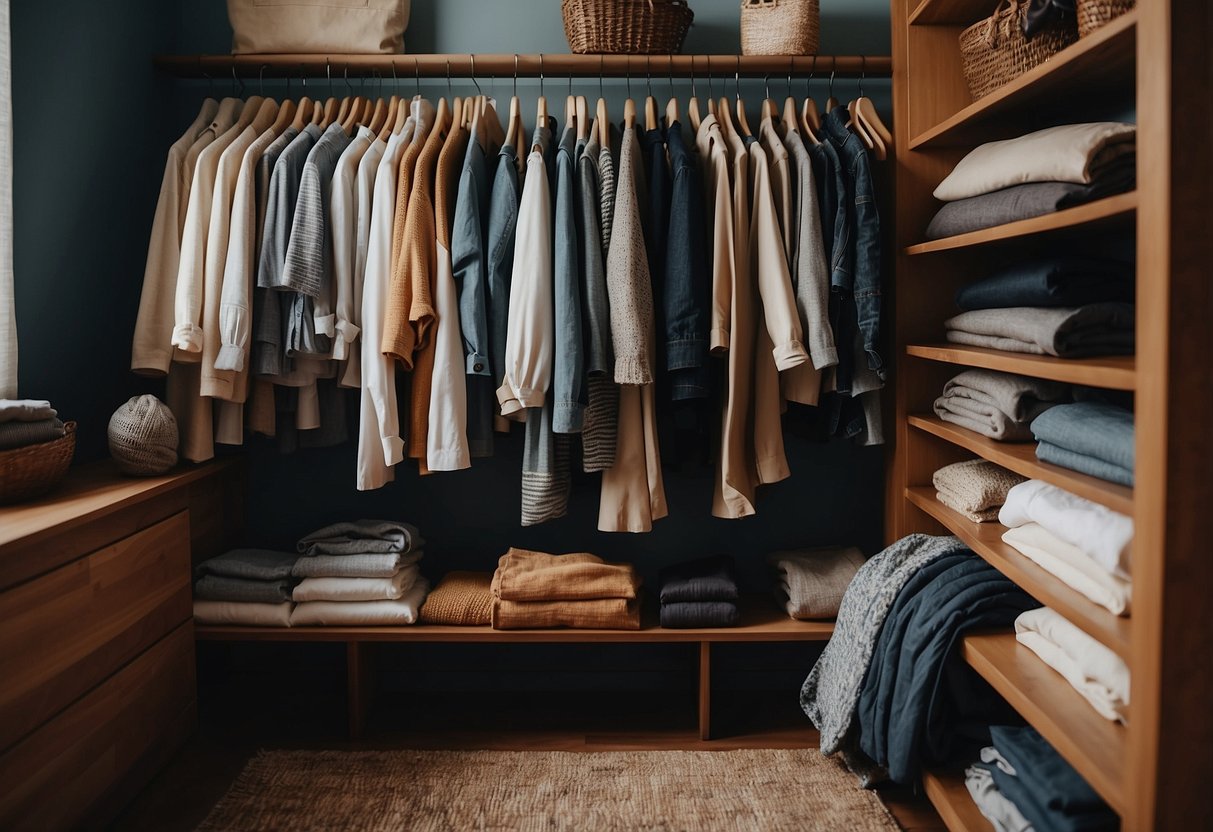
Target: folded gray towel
[[998, 405], [813, 581], [222, 588], [21, 434], [353, 566], [26, 410], [1094, 329], [362, 537], [250, 564]]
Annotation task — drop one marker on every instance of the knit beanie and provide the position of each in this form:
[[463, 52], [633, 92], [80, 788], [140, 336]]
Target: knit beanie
[[143, 437]]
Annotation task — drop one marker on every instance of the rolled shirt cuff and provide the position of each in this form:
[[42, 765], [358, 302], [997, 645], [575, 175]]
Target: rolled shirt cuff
[[231, 357], [790, 354], [478, 365], [187, 337]]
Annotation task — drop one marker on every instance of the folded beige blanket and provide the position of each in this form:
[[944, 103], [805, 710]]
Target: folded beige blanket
[[813, 581], [976, 488], [535, 576], [464, 599], [598, 614]]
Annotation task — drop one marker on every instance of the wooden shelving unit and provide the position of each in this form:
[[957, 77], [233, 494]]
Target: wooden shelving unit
[[1117, 372], [947, 793]]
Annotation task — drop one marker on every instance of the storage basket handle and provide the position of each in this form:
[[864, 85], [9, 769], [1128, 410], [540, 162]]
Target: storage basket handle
[[759, 4], [1006, 10]]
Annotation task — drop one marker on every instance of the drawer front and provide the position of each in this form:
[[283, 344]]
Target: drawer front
[[68, 630], [63, 775]]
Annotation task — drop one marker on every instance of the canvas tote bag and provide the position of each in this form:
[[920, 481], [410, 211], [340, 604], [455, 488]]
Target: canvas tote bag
[[318, 26]]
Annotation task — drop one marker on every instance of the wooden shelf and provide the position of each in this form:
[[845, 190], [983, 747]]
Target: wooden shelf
[[1094, 215], [761, 622], [949, 11], [1102, 63], [1020, 457], [947, 792], [1096, 747], [1116, 372], [986, 540]]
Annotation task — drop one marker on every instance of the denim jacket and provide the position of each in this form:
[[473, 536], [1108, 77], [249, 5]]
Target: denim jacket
[[686, 292], [568, 369], [503, 219]]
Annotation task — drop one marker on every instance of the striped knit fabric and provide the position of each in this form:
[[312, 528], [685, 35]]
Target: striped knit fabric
[[601, 425], [545, 468]]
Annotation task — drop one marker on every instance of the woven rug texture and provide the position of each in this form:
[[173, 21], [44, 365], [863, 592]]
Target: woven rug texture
[[520, 791]]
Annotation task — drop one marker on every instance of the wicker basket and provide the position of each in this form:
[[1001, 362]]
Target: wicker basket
[[780, 27], [626, 27], [995, 52], [1095, 13], [32, 471]]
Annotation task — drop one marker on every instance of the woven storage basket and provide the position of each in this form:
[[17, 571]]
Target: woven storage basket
[[780, 27], [32, 471], [1095, 13], [995, 52], [626, 27]]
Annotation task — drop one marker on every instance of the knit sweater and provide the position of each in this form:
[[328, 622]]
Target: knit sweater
[[628, 286]]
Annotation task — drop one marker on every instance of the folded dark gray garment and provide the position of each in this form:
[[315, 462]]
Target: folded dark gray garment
[[362, 537], [21, 434], [1093, 430], [1035, 199], [998, 405], [353, 566], [1094, 329], [1054, 281], [222, 588], [250, 564], [705, 579], [682, 615]]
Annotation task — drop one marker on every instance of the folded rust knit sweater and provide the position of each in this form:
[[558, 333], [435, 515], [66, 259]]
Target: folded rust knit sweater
[[535, 576], [461, 599]]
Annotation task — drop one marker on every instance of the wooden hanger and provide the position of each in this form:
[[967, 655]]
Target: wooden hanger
[[389, 123], [726, 120], [353, 115], [286, 112], [602, 124], [490, 126], [743, 126], [251, 109], [863, 112], [831, 101], [379, 115], [583, 119], [693, 112], [324, 114], [303, 114], [671, 113], [629, 114], [267, 113]]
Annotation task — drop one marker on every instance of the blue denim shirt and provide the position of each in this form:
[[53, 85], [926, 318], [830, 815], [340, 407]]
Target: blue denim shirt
[[569, 392], [503, 219], [469, 264], [832, 199], [686, 293]]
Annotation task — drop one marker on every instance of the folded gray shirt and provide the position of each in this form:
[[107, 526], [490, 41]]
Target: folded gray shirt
[[250, 564], [354, 566], [362, 537], [998, 405], [242, 591], [1094, 329], [20, 434]]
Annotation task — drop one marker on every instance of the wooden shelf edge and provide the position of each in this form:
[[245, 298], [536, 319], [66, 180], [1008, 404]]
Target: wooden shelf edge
[[948, 794], [1123, 26], [1110, 630], [1096, 747], [1112, 373], [1020, 457], [1101, 210]]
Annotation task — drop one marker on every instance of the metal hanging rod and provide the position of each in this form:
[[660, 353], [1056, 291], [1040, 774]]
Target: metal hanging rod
[[521, 66]]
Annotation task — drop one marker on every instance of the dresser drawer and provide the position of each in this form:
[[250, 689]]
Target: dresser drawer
[[70, 629]]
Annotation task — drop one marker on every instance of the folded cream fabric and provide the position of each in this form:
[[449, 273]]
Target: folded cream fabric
[[249, 615], [1102, 534], [362, 613], [998, 405], [357, 589], [975, 488], [26, 410], [1067, 153], [598, 614], [353, 566], [462, 599], [1093, 670], [1094, 329], [535, 576], [1070, 565], [813, 581]]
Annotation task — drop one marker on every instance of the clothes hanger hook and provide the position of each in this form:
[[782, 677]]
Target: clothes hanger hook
[[395, 79], [541, 75], [515, 74], [766, 85], [808, 93], [832, 70], [692, 75], [628, 77], [328, 71], [648, 73], [450, 91], [670, 58], [472, 58], [711, 89], [570, 83], [791, 68], [863, 70], [346, 73], [262, 79], [601, 88], [417, 75], [737, 78]]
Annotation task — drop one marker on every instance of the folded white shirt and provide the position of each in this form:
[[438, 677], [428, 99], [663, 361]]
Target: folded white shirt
[[363, 613], [1071, 565], [357, 589], [243, 613], [1002, 814], [1098, 531], [1066, 153], [1092, 669]]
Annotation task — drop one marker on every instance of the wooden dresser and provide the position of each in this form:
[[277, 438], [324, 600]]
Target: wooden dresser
[[96, 636]]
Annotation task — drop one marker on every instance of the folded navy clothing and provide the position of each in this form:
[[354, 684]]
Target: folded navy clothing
[[705, 579], [1035, 199], [250, 564], [243, 590], [1091, 437], [1054, 281], [1046, 789], [680, 615]]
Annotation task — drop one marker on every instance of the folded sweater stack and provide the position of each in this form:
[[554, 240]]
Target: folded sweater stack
[[26, 422], [975, 488], [533, 590], [998, 405], [359, 573], [1036, 174], [699, 593], [250, 587], [1098, 674], [812, 582], [1092, 438]]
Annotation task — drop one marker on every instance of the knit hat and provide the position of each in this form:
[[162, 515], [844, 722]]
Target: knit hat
[[143, 437]]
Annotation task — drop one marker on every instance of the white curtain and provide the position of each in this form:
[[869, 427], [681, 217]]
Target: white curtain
[[8, 312]]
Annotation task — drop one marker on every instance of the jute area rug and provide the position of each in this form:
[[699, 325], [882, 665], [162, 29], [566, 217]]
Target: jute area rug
[[373, 791]]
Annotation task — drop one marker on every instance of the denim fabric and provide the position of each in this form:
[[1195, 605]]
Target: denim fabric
[[469, 264], [686, 295], [1091, 437], [596, 314], [1055, 281], [832, 197], [568, 368], [862, 285], [503, 219]]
